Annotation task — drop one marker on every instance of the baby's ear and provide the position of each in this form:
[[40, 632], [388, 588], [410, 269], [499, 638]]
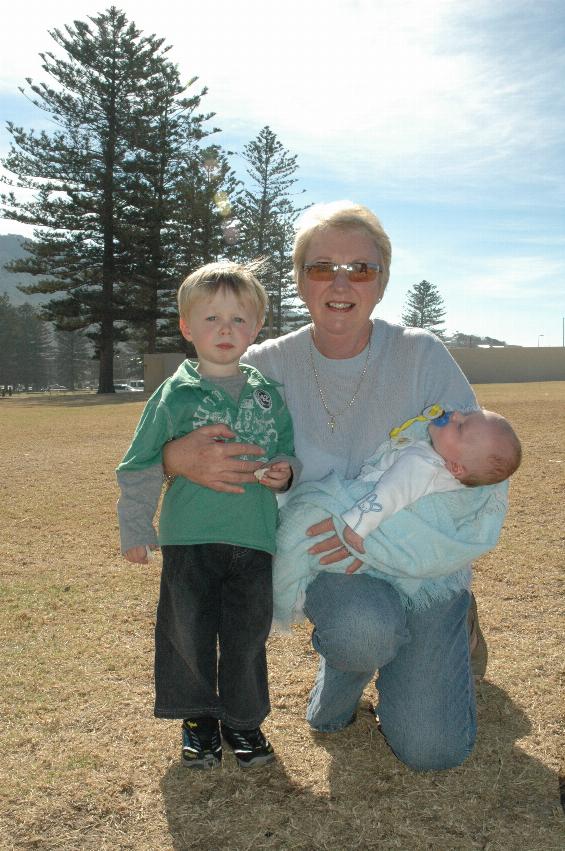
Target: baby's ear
[[456, 469]]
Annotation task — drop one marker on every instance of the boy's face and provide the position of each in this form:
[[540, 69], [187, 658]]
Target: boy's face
[[221, 328], [463, 442]]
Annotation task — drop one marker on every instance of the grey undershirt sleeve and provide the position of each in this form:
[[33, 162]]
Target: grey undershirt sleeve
[[139, 497]]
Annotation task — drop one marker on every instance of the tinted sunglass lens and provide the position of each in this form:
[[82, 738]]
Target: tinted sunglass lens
[[361, 273], [321, 272]]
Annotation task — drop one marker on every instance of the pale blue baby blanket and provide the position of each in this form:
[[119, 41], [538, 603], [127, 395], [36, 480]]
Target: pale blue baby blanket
[[424, 551]]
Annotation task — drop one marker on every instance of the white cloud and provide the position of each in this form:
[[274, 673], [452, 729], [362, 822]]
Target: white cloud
[[392, 87], [515, 278]]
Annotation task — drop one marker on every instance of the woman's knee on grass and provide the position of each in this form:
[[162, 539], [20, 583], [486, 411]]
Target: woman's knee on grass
[[359, 625], [431, 749]]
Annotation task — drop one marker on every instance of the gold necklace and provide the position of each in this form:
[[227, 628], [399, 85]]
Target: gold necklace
[[333, 417]]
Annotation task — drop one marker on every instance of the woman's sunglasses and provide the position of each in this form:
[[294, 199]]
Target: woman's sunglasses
[[357, 273]]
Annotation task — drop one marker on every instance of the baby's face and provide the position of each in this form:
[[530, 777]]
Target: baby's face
[[464, 441]]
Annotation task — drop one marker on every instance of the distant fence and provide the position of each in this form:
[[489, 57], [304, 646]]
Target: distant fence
[[481, 366]]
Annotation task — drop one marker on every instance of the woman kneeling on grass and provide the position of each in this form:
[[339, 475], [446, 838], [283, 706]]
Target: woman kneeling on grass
[[348, 379]]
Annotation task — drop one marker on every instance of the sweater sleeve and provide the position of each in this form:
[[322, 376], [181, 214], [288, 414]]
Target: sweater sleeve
[[285, 444], [440, 379]]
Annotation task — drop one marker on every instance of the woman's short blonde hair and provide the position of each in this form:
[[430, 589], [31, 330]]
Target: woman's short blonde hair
[[344, 215], [240, 279]]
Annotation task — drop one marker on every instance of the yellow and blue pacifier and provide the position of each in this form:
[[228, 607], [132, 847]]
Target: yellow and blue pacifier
[[432, 412]]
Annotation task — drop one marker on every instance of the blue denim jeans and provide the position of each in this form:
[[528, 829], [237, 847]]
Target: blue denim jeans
[[426, 690], [213, 619]]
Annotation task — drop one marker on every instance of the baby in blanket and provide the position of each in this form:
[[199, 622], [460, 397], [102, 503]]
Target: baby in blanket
[[459, 461]]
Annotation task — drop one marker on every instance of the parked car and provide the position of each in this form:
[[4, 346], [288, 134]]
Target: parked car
[[122, 388], [138, 385]]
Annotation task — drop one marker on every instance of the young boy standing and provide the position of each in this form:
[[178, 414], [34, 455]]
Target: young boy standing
[[216, 584]]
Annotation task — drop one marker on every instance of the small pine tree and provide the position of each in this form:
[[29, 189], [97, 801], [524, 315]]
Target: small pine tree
[[424, 308]]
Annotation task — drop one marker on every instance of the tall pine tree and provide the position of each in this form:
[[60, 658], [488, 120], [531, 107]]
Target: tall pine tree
[[200, 230], [167, 159], [266, 213], [106, 102]]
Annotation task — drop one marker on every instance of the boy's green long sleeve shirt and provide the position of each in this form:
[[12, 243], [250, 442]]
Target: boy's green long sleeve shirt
[[191, 513]]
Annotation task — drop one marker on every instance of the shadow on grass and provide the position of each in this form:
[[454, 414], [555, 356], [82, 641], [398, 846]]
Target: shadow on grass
[[500, 799], [234, 809]]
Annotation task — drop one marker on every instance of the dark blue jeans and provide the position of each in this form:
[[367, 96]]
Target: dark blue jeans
[[426, 689], [213, 619]]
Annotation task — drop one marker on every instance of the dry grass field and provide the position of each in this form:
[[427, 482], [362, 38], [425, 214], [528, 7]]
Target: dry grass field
[[84, 764]]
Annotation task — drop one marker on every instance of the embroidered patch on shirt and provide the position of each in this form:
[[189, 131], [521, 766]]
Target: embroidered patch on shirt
[[263, 399]]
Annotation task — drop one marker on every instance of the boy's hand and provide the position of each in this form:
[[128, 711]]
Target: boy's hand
[[139, 555], [353, 539], [276, 476]]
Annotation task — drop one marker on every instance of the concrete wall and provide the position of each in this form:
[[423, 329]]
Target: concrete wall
[[158, 367], [511, 363], [481, 366]]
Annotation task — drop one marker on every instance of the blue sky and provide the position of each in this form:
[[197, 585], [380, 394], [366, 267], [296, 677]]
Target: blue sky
[[446, 117]]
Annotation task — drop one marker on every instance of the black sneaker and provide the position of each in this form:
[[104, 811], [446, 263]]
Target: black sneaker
[[249, 746], [201, 743]]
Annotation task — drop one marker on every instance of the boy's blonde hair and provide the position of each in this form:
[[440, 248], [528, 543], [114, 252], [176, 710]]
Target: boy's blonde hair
[[238, 278]]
